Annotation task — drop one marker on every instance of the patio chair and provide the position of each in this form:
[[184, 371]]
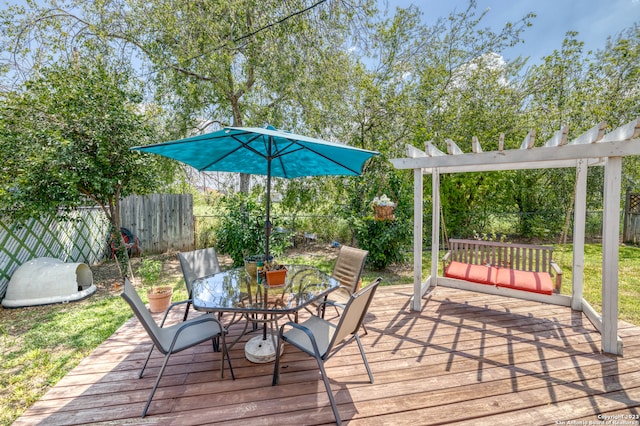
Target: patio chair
[[174, 338], [322, 339], [348, 270], [197, 264]]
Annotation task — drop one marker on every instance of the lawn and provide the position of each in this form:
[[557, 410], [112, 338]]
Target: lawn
[[39, 345]]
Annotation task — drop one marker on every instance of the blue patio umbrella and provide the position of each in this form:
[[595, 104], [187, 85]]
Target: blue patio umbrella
[[264, 151]]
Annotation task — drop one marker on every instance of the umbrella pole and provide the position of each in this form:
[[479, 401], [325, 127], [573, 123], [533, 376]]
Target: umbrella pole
[[267, 228], [267, 223]]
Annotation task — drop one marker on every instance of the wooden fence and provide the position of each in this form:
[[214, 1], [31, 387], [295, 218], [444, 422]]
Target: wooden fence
[[162, 222]]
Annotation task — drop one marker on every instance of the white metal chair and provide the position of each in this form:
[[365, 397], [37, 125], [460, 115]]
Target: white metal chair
[[197, 264], [322, 339], [174, 338]]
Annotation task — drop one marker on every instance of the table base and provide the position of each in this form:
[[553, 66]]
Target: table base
[[260, 351]]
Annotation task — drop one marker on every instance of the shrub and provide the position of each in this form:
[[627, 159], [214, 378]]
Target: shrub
[[385, 240], [241, 232]]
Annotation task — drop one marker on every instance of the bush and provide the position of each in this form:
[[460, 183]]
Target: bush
[[385, 240]]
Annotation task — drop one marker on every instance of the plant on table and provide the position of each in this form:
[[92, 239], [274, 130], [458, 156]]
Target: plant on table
[[275, 273]]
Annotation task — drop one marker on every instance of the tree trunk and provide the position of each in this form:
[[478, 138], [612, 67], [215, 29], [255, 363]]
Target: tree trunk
[[245, 179]]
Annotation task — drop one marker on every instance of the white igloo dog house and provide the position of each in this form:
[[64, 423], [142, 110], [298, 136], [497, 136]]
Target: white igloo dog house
[[47, 280]]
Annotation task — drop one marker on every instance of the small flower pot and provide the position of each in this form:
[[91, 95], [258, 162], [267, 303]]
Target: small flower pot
[[159, 298], [276, 278]]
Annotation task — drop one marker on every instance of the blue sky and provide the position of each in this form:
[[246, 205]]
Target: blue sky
[[594, 20]]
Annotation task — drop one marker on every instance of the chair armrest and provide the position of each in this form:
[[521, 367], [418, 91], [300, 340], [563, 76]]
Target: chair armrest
[[445, 260], [171, 306], [558, 271]]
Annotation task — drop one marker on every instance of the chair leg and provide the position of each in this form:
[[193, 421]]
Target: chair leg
[[225, 352], [364, 358], [327, 385], [146, 361], [186, 311], [155, 386], [276, 366]]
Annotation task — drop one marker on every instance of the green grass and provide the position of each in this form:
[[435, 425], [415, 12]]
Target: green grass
[[39, 345], [628, 278]]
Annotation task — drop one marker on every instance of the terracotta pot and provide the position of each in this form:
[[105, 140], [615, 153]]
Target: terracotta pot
[[275, 278], [159, 298]]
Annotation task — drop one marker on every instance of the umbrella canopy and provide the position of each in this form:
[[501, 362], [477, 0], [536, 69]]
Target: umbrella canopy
[[264, 151]]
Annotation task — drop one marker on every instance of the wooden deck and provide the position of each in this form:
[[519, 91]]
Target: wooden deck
[[467, 358]]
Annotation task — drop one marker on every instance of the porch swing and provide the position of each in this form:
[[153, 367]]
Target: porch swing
[[521, 267], [593, 148]]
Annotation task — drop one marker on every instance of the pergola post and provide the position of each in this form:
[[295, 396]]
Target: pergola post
[[610, 242], [579, 221], [417, 239], [435, 226]]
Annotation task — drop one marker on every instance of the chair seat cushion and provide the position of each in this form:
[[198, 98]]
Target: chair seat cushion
[[189, 336], [475, 273], [321, 329], [535, 282]]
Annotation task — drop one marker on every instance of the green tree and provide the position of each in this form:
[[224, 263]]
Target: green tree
[[614, 90], [462, 88], [65, 139], [217, 63]]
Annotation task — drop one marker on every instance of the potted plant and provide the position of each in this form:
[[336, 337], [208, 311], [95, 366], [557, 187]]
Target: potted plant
[[159, 296], [251, 263], [383, 208], [275, 274]]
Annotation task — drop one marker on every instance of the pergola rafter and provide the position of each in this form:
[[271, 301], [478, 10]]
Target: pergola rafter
[[593, 148]]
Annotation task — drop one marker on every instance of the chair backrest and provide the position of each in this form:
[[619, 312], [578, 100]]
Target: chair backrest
[[142, 313], [197, 264], [354, 312], [349, 266]]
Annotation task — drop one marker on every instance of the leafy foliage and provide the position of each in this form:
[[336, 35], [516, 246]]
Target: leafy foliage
[[241, 232], [65, 139], [309, 74], [149, 271], [386, 240]]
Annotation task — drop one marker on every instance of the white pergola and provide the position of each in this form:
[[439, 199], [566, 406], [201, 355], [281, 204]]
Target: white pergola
[[593, 148]]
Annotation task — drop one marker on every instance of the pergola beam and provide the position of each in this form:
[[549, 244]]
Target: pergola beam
[[542, 157]]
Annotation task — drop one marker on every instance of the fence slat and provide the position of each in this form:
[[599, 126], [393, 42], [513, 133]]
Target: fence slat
[[162, 222]]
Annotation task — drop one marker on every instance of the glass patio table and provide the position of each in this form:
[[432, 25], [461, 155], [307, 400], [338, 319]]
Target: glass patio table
[[237, 292]]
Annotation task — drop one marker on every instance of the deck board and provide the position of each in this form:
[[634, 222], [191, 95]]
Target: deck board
[[465, 358]]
